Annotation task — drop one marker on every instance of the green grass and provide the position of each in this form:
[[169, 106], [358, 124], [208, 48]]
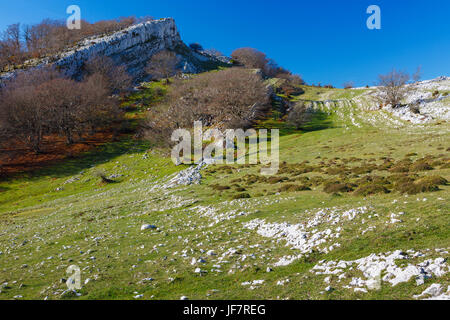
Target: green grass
[[87, 218]]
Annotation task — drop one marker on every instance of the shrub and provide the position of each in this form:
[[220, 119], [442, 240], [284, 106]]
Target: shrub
[[426, 184], [336, 187], [293, 188], [401, 166], [250, 58], [335, 170], [370, 189], [414, 108], [392, 87], [274, 180], [162, 65], [220, 188], [241, 196], [437, 180], [421, 165]]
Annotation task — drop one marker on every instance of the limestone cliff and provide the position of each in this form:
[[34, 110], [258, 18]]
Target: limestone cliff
[[132, 47]]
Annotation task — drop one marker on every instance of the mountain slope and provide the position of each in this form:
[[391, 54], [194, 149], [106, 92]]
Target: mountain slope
[[281, 243]]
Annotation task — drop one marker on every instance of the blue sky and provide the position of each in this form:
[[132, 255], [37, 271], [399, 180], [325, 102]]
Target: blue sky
[[325, 41]]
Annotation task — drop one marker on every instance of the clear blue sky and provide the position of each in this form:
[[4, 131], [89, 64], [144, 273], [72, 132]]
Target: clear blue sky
[[325, 41]]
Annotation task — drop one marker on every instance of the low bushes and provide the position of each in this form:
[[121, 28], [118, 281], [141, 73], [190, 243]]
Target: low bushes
[[338, 187]]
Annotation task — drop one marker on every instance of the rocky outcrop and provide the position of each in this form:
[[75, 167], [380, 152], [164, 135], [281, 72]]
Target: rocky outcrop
[[131, 47]]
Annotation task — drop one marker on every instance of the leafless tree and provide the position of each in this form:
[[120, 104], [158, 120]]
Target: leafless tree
[[254, 59], [50, 37], [118, 78], [231, 98], [98, 109], [163, 65], [250, 58], [24, 111], [12, 35], [348, 85], [42, 102], [24, 116], [392, 87], [11, 46], [418, 74]]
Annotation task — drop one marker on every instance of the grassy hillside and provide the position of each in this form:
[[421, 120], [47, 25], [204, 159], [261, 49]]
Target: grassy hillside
[[65, 215]]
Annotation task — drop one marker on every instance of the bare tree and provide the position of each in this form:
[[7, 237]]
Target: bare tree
[[250, 58], [24, 109], [12, 35], [98, 109], [10, 46], [392, 87], [42, 101], [117, 76], [348, 85], [49, 37], [418, 74], [163, 65], [24, 116], [299, 115]]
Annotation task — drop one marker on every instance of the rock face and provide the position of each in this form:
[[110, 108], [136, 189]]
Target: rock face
[[132, 47]]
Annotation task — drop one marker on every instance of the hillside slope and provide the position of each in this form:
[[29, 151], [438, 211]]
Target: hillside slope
[[283, 242]]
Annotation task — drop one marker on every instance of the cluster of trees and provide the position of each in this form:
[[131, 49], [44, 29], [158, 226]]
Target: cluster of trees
[[21, 42], [230, 98], [254, 59], [43, 101]]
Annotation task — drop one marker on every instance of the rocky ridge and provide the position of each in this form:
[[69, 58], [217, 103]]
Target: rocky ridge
[[132, 47]]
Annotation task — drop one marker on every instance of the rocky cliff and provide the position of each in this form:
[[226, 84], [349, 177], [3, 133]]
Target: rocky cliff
[[132, 47]]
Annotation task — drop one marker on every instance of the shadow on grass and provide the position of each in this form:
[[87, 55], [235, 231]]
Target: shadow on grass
[[99, 155], [320, 121]]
